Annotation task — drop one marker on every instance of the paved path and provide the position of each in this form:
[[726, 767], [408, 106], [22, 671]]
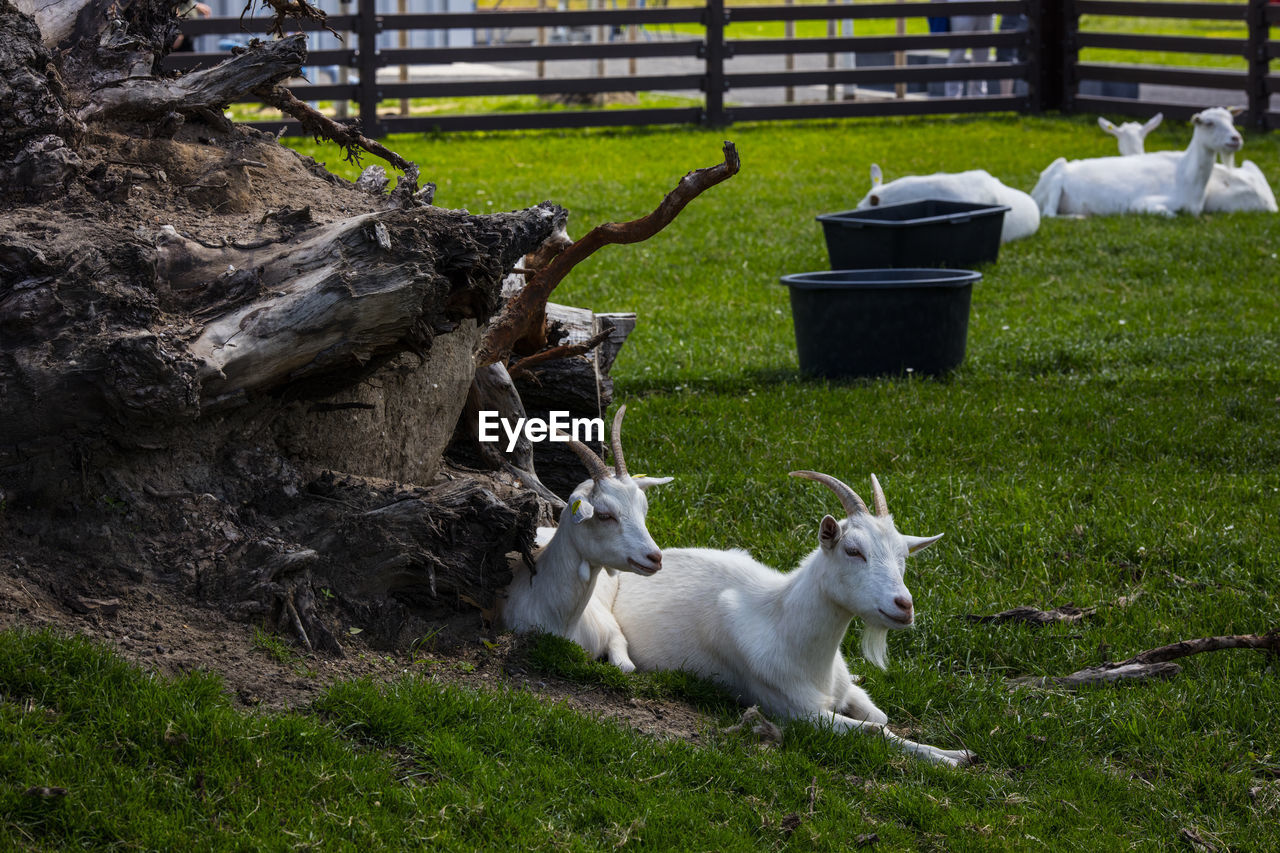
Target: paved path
[[677, 65]]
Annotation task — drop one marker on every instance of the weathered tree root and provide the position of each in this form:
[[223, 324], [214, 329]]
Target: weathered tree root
[[492, 390], [1155, 663], [200, 92]]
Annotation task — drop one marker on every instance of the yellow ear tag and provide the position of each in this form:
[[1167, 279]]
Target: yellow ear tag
[[579, 515], [638, 476]]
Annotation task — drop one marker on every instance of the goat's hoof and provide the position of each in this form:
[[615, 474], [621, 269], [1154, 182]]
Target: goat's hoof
[[963, 757], [626, 666]]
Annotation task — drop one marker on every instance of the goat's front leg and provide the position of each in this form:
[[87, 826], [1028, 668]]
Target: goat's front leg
[[853, 701], [618, 653], [948, 757]]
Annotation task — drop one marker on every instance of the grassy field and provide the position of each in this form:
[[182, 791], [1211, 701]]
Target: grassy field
[[1112, 440]]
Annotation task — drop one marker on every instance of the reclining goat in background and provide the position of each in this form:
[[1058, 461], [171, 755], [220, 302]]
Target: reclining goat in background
[[1230, 188], [976, 186], [774, 639], [1166, 182]]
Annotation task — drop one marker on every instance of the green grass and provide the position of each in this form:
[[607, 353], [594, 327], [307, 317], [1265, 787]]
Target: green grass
[[1115, 429]]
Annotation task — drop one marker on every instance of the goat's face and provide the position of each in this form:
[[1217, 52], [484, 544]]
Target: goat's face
[[868, 558], [606, 519], [1215, 129], [863, 559]]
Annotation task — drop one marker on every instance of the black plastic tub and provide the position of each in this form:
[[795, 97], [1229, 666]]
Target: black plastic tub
[[929, 233], [881, 322]]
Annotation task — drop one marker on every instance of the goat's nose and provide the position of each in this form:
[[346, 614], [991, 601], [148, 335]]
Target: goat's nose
[[654, 557], [904, 603]]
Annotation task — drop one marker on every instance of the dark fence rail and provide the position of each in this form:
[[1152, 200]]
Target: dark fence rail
[[1251, 86], [1038, 65]]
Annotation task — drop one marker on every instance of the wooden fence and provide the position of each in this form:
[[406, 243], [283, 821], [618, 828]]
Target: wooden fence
[[686, 49]]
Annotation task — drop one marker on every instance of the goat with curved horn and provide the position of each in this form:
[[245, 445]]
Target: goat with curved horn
[[602, 527], [596, 466], [615, 442], [774, 639], [849, 499], [877, 498]]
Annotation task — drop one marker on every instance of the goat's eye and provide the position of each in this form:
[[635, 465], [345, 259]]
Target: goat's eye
[[604, 516], [853, 552]]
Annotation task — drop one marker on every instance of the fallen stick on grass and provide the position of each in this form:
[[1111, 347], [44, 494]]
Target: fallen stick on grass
[[1065, 613], [1036, 616], [1155, 663]]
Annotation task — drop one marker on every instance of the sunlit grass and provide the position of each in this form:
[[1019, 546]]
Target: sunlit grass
[[1112, 439]]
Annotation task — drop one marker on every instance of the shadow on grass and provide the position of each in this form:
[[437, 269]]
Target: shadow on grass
[[566, 659]]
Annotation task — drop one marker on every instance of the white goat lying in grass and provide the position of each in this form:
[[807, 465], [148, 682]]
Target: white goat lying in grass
[[772, 638], [1163, 183], [603, 526], [976, 186], [1229, 188]]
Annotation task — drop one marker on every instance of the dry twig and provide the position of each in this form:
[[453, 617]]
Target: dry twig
[[352, 141], [523, 318], [1156, 663], [525, 365]]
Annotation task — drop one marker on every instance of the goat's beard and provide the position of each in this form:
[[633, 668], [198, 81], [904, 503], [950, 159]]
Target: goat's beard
[[875, 645]]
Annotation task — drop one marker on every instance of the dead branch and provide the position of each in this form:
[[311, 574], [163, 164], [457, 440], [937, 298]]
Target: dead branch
[[1066, 613], [200, 92], [524, 366], [1155, 663], [523, 318], [298, 10], [352, 141], [1035, 616]]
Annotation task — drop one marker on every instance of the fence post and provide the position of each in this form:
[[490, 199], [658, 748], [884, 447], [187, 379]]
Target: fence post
[[368, 25], [1259, 66], [714, 51], [1050, 34]]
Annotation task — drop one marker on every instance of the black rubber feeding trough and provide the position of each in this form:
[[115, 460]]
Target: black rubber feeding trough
[[929, 233], [853, 323]]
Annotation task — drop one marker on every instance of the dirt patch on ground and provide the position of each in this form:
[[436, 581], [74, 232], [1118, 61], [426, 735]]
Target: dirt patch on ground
[[157, 629]]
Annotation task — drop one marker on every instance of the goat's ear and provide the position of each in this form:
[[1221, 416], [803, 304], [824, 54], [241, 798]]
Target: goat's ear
[[1106, 125], [1152, 123], [581, 509], [877, 177], [580, 506], [919, 543], [829, 532], [645, 483], [1235, 111]]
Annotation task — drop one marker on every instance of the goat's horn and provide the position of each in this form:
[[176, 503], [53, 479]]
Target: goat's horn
[[877, 497], [849, 499], [615, 441], [595, 465]]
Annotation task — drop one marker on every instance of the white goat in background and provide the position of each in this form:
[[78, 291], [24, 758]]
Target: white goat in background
[[977, 186], [1131, 136], [603, 526], [1163, 183], [772, 638], [1229, 188]]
